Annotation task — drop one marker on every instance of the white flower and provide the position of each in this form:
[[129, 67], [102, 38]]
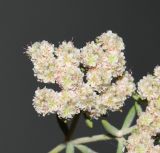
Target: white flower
[[149, 87], [148, 123], [157, 71], [118, 92], [142, 139], [91, 54], [68, 104], [67, 54], [42, 56], [92, 79], [111, 41], [45, 101], [69, 77], [99, 78]]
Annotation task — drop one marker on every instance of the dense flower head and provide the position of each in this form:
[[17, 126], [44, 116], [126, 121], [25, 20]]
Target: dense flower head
[[148, 124], [67, 54], [149, 86], [42, 56], [91, 54], [111, 41], [45, 101], [92, 79], [118, 92], [148, 127], [69, 77]]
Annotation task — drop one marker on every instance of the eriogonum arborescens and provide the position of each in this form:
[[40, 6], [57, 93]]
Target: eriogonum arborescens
[[92, 79]]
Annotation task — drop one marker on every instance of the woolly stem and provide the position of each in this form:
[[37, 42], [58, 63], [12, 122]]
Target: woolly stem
[[120, 147], [95, 138]]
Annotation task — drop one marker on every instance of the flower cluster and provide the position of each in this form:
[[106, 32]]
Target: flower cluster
[[142, 140], [92, 79], [42, 57]]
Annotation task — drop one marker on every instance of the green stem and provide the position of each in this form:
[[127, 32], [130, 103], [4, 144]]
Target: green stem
[[82, 140], [95, 138], [125, 131], [72, 127], [120, 147], [118, 134], [138, 108], [63, 126]]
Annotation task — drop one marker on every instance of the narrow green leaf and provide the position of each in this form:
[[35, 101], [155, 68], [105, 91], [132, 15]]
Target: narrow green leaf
[[138, 108], [129, 118], [120, 147], [70, 148], [58, 149], [85, 149], [110, 128], [89, 123]]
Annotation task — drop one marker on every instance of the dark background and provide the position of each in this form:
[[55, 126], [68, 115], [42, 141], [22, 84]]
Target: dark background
[[25, 21]]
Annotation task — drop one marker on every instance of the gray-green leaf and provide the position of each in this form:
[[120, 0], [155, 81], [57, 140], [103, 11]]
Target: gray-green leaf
[[110, 128], [58, 149], [85, 149], [129, 118], [70, 148]]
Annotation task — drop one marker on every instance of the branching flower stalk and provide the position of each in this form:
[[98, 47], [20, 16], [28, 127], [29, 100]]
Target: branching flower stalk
[[112, 133], [95, 138], [93, 81]]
